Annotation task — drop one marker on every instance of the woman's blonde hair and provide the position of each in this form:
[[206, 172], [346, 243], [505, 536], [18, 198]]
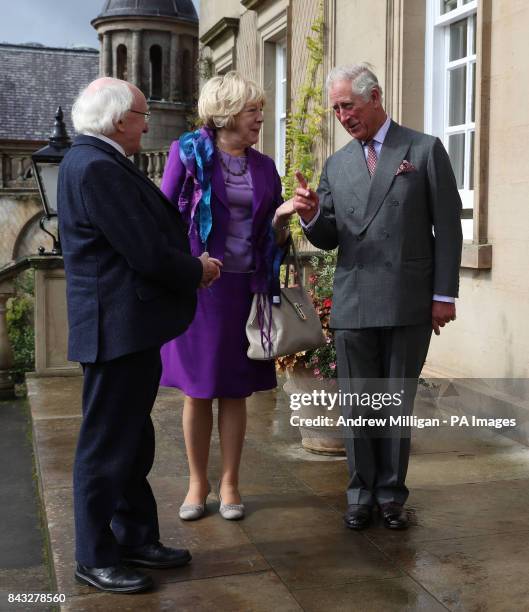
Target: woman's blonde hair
[[224, 96]]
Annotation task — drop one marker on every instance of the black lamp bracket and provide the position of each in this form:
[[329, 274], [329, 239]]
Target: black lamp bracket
[[56, 250]]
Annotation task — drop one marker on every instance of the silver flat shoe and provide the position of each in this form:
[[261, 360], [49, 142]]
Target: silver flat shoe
[[231, 512], [192, 512]]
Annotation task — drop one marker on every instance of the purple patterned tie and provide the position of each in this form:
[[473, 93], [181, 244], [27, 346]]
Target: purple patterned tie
[[371, 157]]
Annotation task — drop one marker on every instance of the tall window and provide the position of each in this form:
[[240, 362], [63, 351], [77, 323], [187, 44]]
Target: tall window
[[451, 89], [280, 105], [155, 68], [121, 62]]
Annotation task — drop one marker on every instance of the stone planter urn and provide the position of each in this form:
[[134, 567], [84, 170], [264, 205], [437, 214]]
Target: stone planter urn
[[318, 435]]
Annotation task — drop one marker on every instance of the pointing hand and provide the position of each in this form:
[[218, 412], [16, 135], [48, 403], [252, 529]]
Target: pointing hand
[[306, 201]]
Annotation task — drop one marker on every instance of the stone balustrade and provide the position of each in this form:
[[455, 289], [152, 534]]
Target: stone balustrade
[[15, 166], [152, 163], [16, 172]]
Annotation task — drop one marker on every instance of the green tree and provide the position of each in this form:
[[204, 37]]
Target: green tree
[[304, 126], [20, 325]]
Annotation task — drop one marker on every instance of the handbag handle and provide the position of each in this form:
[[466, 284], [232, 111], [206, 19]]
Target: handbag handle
[[297, 265]]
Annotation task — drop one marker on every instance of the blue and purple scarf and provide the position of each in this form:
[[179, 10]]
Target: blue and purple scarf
[[196, 154]]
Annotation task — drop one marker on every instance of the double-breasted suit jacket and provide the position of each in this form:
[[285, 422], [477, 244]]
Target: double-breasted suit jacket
[[398, 233]]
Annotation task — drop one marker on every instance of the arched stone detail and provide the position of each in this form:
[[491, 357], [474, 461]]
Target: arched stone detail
[[31, 237], [158, 36]]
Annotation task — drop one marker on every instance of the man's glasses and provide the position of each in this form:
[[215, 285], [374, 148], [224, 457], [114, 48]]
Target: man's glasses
[[146, 115]]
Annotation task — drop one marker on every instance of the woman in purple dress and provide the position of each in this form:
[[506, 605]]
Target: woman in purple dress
[[230, 195]]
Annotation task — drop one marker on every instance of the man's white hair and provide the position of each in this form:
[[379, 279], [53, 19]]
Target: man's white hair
[[97, 110], [363, 79]]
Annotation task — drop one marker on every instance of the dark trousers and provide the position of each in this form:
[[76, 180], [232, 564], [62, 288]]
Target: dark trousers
[[374, 360], [113, 502]]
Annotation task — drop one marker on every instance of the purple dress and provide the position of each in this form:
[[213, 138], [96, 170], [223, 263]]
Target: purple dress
[[209, 360]]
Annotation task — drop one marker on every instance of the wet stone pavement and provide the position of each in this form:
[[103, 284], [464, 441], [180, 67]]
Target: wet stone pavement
[[466, 550]]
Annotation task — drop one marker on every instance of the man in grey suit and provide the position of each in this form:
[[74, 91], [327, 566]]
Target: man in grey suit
[[389, 201]]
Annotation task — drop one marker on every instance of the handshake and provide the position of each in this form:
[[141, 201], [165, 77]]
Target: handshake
[[210, 269]]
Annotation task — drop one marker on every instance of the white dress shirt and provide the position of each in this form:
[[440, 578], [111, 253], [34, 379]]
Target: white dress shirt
[[108, 140]]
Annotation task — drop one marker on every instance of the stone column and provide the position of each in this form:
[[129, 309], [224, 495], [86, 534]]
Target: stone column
[[101, 55], [7, 388], [107, 55], [51, 330], [194, 72], [174, 84], [136, 58]]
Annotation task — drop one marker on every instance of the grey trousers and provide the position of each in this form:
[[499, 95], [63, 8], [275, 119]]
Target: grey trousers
[[379, 360]]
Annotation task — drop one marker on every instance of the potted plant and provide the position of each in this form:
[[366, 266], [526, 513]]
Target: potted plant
[[315, 370]]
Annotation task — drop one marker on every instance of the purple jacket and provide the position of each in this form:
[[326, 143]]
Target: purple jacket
[[266, 198]]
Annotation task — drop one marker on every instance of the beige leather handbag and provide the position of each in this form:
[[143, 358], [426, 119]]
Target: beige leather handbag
[[275, 330]]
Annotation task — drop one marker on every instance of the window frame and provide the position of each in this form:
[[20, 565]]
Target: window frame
[[436, 108], [280, 116]]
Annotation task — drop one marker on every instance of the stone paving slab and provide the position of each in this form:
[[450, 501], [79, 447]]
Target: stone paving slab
[[468, 503], [456, 511], [258, 592], [218, 547], [469, 574], [390, 595]]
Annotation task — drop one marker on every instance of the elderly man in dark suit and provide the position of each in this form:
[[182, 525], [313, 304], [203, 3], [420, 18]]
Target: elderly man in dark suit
[[131, 286], [389, 201]]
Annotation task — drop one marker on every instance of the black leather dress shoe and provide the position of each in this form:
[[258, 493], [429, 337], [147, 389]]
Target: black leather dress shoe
[[114, 579], [156, 556], [394, 515], [358, 516]]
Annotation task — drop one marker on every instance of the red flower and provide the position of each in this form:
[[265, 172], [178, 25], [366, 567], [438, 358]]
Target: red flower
[[327, 302]]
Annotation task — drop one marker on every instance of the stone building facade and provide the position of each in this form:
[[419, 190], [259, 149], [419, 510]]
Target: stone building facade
[[34, 80], [453, 68], [153, 44]]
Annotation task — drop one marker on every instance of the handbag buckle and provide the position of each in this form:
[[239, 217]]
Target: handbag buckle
[[300, 312]]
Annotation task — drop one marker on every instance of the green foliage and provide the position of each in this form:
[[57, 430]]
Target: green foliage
[[206, 67], [20, 316], [206, 70], [323, 267], [304, 127], [304, 131], [322, 361]]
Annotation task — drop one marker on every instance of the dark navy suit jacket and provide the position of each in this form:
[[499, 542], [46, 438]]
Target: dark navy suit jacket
[[131, 281]]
